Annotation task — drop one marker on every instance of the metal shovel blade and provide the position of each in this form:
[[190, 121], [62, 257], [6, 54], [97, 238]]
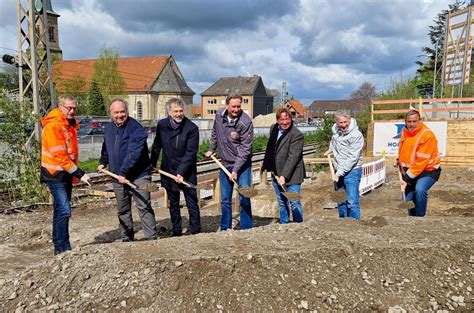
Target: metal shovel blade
[[403, 205], [338, 196], [247, 192], [291, 195]]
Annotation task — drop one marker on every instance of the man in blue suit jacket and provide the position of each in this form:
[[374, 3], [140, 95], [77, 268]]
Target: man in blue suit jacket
[[178, 137], [125, 151]]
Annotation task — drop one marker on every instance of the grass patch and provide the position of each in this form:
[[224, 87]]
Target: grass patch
[[89, 166]]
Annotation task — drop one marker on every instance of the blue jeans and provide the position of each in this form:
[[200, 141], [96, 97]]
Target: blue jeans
[[418, 193], [61, 192], [285, 205], [350, 182], [244, 178]]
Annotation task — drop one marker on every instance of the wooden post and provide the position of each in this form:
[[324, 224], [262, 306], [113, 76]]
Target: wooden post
[[217, 194], [165, 200], [371, 111], [420, 107], [198, 193], [236, 202], [263, 178]]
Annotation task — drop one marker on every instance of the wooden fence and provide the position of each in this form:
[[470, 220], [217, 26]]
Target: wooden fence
[[441, 108]]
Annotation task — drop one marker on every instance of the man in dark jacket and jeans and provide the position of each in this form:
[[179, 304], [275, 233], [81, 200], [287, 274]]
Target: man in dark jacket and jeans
[[178, 137], [284, 158], [125, 151], [232, 135]]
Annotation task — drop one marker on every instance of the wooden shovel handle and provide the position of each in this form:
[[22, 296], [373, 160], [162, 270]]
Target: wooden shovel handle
[[222, 167], [117, 177], [282, 186], [331, 167], [403, 184], [174, 177]]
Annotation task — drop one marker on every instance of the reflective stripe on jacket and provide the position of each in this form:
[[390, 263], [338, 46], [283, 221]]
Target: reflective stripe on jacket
[[59, 146], [418, 150]]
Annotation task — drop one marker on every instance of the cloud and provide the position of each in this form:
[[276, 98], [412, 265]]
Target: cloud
[[196, 15], [323, 49]]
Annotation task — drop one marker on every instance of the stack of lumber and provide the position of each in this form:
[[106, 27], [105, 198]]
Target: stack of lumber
[[460, 144]]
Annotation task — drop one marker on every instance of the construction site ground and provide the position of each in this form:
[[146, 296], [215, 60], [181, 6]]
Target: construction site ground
[[385, 262]]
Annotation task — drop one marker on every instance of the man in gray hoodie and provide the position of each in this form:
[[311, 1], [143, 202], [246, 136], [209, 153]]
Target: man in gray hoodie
[[346, 146], [232, 135]]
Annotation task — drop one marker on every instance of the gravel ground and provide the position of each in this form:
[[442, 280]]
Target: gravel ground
[[387, 262]]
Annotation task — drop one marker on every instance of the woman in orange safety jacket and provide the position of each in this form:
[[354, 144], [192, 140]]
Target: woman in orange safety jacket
[[419, 161]]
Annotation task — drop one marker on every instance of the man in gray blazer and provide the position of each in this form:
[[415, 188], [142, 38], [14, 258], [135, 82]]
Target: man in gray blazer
[[284, 158]]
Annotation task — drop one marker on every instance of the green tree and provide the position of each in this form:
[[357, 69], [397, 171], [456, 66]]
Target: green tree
[[19, 152], [106, 74], [401, 88], [95, 102], [76, 87], [9, 77]]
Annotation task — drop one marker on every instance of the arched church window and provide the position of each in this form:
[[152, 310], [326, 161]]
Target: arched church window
[[51, 34], [139, 111]]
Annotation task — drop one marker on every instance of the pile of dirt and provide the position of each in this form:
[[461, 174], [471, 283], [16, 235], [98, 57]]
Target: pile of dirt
[[386, 262], [264, 120]]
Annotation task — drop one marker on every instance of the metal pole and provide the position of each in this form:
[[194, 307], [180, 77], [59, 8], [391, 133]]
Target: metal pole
[[34, 65], [435, 69], [20, 53], [48, 59]]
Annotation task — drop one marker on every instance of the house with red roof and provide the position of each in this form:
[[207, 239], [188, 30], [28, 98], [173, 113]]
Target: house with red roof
[[150, 81], [297, 109]]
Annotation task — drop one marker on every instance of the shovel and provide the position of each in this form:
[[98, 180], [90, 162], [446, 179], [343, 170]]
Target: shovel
[[189, 185], [145, 187], [247, 192], [403, 185], [338, 196], [290, 195]]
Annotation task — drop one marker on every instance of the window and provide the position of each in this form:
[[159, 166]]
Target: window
[[139, 111], [244, 101], [211, 112], [51, 34], [212, 101]]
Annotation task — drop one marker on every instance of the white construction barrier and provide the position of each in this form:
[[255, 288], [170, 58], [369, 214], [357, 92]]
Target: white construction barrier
[[373, 175]]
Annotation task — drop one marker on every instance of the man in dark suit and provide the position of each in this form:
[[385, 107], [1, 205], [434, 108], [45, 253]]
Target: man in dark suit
[[284, 158], [125, 152], [178, 137]]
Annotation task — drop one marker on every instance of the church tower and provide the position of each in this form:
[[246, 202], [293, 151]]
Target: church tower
[[56, 52]]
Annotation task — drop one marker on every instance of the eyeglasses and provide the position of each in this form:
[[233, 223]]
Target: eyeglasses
[[69, 109]]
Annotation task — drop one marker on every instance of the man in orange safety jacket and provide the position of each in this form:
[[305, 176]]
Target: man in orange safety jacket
[[418, 161], [59, 159]]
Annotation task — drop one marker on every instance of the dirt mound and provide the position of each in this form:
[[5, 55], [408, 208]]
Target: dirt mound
[[386, 262]]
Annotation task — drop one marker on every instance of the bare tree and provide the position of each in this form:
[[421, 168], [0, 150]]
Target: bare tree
[[364, 94]]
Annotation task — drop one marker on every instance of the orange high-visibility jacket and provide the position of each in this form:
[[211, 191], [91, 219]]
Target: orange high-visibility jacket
[[59, 146], [418, 150]]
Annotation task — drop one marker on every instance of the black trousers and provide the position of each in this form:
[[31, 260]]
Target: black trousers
[[190, 197]]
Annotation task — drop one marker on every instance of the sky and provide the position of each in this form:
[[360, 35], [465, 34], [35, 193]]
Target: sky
[[321, 49]]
